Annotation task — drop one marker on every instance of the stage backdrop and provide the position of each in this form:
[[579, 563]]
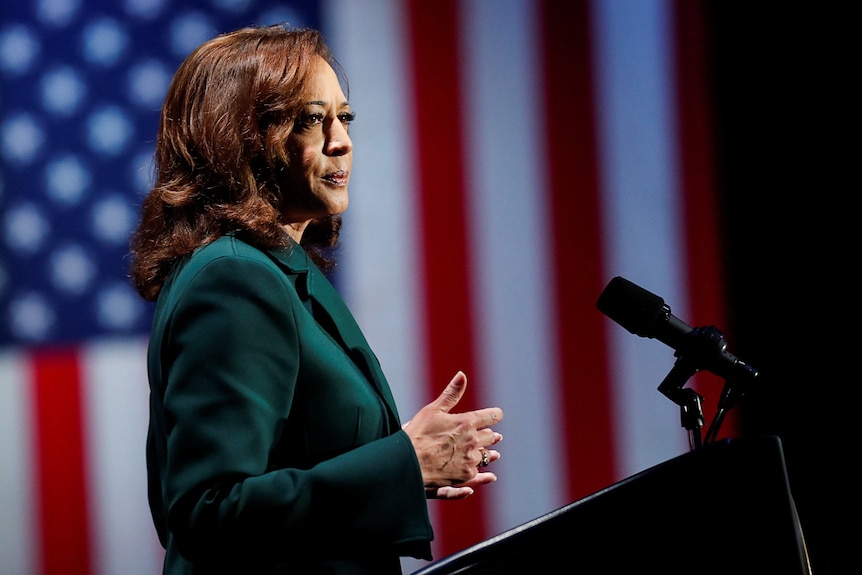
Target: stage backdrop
[[511, 157]]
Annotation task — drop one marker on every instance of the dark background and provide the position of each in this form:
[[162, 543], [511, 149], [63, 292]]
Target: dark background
[[788, 152]]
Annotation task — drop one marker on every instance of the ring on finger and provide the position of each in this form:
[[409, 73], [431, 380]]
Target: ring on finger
[[485, 458]]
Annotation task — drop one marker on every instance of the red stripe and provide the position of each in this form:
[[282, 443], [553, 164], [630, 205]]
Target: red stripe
[[61, 470], [704, 257], [446, 265], [575, 212]]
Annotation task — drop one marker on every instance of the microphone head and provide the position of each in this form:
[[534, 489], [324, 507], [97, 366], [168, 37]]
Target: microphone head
[[639, 311]]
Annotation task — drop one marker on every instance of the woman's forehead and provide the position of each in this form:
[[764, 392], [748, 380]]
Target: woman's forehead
[[323, 82]]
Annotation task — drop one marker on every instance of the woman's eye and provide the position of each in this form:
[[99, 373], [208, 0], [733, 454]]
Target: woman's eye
[[313, 119], [310, 120]]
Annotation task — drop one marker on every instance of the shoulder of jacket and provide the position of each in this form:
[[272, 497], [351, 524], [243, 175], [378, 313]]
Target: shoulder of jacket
[[228, 246], [225, 252]]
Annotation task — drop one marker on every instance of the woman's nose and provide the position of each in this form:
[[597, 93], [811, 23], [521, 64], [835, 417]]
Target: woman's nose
[[338, 141]]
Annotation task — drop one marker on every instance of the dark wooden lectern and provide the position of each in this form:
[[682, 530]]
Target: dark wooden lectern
[[724, 508]]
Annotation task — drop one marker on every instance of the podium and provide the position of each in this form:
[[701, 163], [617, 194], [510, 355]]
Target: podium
[[724, 508]]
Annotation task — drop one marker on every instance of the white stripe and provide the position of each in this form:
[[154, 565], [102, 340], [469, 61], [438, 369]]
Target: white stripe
[[379, 274], [642, 227], [18, 525], [508, 206], [116, 407]]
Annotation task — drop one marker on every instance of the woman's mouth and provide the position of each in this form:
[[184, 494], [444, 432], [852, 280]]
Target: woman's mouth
[[338, 178]]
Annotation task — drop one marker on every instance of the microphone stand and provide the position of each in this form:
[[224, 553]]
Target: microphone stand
[[689, 401], [704, 349]]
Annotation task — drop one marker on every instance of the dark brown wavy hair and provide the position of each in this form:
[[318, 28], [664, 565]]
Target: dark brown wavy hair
[[221, 142]]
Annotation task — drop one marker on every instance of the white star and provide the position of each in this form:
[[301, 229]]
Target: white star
[[31, 317], [109, 130], [67, 180], [57, 12], [105, 41], [72, 269], [21, 138], [25, 228], [113, 219], [63, 89], [119, 307], [18, 49]]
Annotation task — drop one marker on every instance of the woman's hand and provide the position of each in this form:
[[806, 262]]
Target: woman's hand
[[451, 447], [461, 490]]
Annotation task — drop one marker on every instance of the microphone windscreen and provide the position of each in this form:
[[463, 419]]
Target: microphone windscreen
[[639, 311]]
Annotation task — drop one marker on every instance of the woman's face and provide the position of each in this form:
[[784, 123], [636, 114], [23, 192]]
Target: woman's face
[[320, 151]]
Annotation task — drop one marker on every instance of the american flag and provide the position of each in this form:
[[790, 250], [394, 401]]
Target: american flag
[[511, 156]]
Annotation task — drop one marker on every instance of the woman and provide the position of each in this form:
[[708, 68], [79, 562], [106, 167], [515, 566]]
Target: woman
[[274, 443]]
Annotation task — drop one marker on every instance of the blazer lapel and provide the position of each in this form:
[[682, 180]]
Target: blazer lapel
[[329, 309]]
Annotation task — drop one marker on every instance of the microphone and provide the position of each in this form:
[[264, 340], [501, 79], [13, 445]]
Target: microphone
[[647, 315]]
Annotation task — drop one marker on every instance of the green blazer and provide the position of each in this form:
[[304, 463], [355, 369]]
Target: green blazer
[[274, 443]]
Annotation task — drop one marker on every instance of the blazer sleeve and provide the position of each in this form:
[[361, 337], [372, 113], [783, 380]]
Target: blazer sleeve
[[231, 354]]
